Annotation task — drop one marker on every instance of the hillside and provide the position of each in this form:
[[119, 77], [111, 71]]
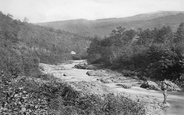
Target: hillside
[[23, 45], [49, 40], [103, 27], [44, 39]]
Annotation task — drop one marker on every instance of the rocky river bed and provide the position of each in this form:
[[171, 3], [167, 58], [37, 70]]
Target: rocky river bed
[[105, 81]]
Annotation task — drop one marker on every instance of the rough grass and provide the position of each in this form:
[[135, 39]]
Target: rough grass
[[26, 95]]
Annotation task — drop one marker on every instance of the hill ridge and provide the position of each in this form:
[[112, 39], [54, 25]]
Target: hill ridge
[[102, 27]]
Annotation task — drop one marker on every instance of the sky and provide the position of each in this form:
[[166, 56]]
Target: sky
[[56, 10]]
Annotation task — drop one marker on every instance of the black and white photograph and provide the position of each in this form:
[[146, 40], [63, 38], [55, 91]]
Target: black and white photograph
[[91, 57]]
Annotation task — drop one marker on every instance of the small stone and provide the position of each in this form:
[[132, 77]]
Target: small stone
[[16, 95], [23, 109], [36, 106], [21, 88], [24, 92], [64, 74]]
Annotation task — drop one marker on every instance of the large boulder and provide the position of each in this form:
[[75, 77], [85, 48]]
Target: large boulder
[[97, 73], [104, 80], [150, 85], [84, 66], [172, 86], [125, 86]]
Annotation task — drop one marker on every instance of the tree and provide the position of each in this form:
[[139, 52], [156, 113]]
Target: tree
[[163, 35], [26, 20], [9, 15], [118, 31], [144, 37], [179, 35]]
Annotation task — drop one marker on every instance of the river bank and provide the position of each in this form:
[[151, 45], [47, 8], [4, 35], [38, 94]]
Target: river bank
[[151, 99]]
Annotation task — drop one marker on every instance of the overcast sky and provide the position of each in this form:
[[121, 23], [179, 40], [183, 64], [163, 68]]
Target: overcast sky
[[54, 10]]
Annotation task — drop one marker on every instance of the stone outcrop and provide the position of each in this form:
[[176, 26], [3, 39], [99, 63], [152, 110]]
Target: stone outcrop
[[154, 86], [150, 85], [172, 86], [84, 66], [97, 73], [125, 86]]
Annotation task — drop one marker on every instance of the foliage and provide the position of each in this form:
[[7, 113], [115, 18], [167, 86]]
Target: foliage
[[179, 35], [26, 95], [23, 46], [166, 63], [157, 54], [20, 96]]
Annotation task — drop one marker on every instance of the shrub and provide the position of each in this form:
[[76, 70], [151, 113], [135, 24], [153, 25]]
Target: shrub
[[25, 95]]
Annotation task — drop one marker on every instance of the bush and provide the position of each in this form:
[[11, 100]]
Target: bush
[[11, 62], [25, 95]]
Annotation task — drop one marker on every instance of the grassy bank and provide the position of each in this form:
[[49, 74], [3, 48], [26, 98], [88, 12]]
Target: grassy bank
[[46, 95]]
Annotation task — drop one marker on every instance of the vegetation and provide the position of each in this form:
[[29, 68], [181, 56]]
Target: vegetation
[[24, 45], [49, 96], [157, 54], [152, 54], [24, 90]]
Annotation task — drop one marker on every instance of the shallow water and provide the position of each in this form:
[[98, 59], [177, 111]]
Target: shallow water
[[175, 99], [177, 104]]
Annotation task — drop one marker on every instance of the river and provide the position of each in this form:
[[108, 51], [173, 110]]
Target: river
[[176, 99]]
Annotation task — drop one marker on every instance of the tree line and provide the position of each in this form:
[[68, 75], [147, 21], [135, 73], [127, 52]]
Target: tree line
[[152, 53]]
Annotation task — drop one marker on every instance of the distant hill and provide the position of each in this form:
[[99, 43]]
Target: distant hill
[[102, 27]]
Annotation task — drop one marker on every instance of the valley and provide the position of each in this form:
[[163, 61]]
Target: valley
[[111, 66]]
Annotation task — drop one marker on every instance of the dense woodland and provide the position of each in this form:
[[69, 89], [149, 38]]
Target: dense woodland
[[150, 53], [24, 45]]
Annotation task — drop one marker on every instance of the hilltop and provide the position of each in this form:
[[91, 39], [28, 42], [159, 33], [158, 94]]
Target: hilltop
[[102, 27]]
